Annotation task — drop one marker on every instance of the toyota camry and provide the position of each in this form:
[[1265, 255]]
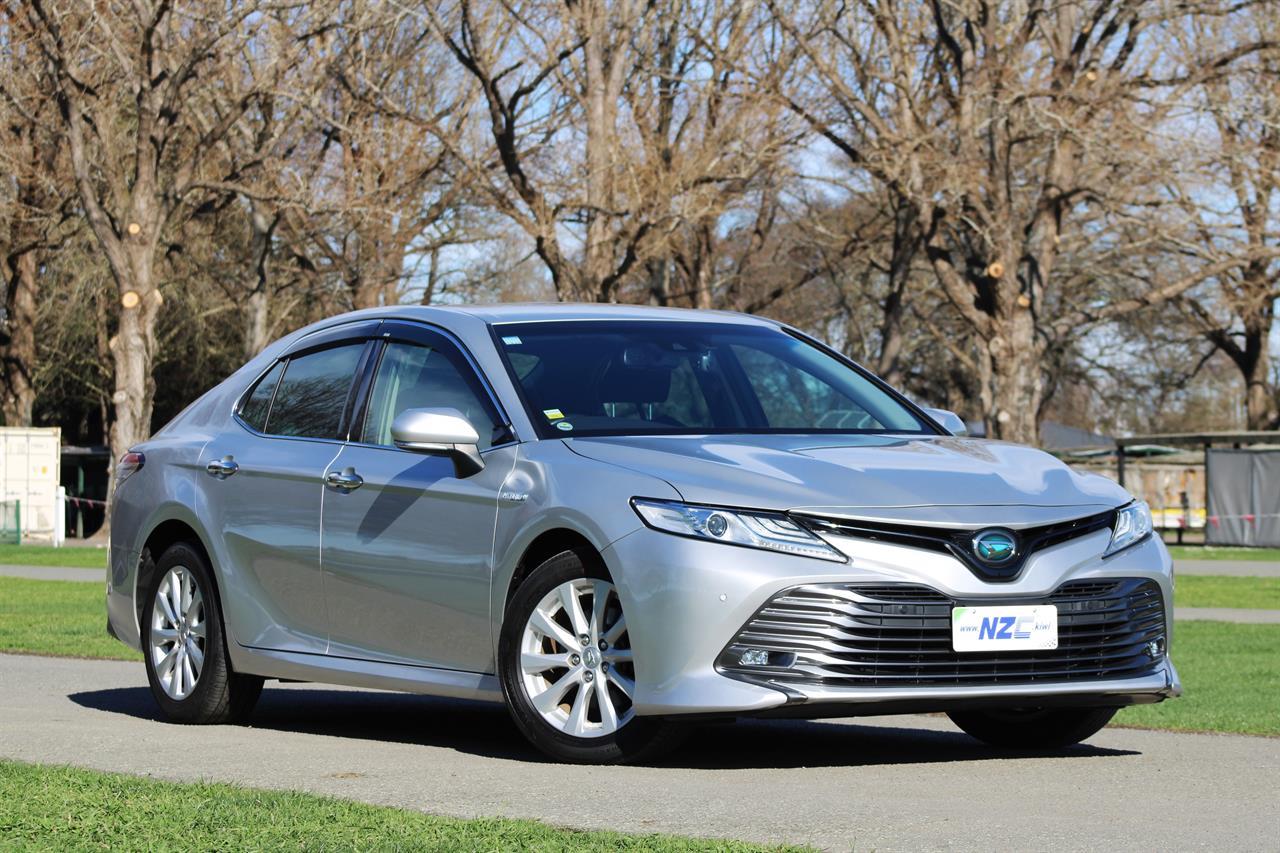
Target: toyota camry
[[617, 521]]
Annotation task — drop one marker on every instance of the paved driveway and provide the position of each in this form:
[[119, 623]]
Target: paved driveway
[[885, 783]]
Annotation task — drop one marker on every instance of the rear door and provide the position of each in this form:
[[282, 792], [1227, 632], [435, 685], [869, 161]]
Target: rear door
[[266, 488], [407, 553]]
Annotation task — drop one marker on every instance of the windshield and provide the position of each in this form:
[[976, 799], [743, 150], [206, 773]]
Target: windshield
[[643, 377]]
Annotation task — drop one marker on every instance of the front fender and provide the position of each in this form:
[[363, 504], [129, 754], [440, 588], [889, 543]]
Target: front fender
[[550, 488]]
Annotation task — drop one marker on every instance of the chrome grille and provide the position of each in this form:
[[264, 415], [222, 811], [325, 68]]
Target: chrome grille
[[899, 635]]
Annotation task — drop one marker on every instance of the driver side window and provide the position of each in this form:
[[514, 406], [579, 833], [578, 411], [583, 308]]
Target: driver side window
[[411, 376]]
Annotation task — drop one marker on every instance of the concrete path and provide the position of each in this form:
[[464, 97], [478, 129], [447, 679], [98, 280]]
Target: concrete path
[[1227, 614], [1232, 568], [54, 573], [891, 783]]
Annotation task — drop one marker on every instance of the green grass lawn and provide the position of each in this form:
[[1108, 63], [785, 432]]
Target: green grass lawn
[[78, 557], [1210, 552], [1214, 591], [59, 808], [67, 618], [1230, 679]]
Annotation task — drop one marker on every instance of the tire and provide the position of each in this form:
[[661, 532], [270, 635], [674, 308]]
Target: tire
[[174, 651], [559, 730], [1033, 728]]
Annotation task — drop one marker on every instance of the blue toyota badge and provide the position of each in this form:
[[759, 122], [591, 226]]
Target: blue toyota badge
[[995, 547]]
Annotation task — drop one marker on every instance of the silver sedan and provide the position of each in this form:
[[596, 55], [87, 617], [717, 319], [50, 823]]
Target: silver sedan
[[617, 520]]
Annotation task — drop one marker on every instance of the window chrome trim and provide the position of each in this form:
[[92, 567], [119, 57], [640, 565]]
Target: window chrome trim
[[285, 359], [377, 335], [471, 361]]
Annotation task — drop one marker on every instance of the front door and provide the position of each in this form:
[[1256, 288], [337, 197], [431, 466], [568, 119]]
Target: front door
[[408, 545]]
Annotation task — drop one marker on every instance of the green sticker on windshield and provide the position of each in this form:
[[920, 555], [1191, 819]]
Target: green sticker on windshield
[[564, 425]]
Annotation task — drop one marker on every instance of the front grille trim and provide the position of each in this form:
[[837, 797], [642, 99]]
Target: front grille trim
[[955, 542], [832, 635]]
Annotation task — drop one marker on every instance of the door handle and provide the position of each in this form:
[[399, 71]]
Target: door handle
[[222, 468], [345, 480]]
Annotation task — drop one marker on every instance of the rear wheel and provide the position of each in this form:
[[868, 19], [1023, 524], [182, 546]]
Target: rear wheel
[[567, 669], [184, 645], [1033, 728]]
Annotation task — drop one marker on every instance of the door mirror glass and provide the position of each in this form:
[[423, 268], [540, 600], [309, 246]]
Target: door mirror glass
[[949, 421], [439, 431]]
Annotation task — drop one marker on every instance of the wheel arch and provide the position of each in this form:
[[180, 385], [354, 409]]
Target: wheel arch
[[163, 535], [546, 545]]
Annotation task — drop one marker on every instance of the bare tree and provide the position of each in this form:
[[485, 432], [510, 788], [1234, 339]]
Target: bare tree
[[36, 204], [1234, 198], [1015, 132], [391, 111], [148, 93], [613, 124]]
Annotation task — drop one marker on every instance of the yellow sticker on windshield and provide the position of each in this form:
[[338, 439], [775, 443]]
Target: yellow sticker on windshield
[[553, 414]]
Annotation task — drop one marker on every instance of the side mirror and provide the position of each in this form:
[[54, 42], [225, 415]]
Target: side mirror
[[443, 432], [949, 421]]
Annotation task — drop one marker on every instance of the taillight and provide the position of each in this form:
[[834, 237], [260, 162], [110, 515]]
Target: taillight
[[128, 465]]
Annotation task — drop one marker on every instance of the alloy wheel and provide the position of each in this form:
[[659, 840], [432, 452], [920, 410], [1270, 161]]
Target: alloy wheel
[[575, 659], [178, 635]]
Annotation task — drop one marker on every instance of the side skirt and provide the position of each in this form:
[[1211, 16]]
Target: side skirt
[[351, 672]]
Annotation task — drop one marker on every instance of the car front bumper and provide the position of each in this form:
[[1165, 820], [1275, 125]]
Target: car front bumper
[[686, 600]]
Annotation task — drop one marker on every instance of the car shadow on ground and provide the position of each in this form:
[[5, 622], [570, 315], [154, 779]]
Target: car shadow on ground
[[486, 730]]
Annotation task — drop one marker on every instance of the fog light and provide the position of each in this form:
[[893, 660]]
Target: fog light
[[754, 657], [1155, 648]]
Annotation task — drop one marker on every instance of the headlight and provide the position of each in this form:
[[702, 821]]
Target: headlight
[[767, 530], [1133, 524]]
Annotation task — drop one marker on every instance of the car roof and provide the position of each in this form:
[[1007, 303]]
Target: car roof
[[532, 312]]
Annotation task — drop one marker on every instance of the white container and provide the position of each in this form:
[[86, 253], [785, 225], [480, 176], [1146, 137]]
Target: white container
[[30, 471]]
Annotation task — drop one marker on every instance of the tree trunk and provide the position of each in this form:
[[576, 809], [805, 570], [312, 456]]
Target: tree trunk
[[1014, 380], [133, 351], [888, 364], [598, 254], [704, 265], [1260, 398], [257, 313], [433, 277], [906, 243], [20, 352], [659, 282]]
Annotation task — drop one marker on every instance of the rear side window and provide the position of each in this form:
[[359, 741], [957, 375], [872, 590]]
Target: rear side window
[[313, 393], [257, 406]]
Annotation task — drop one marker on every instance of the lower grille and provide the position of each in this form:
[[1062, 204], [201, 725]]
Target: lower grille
[[899, 635]]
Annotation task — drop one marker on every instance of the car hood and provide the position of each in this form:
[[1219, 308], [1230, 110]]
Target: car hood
[[937, 480]]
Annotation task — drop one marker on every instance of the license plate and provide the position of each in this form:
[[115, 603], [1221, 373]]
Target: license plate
[[984, 629]]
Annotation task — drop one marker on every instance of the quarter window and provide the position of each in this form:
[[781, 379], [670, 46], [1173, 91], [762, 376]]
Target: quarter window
[[313, 393], [257, 405], [420, 377]]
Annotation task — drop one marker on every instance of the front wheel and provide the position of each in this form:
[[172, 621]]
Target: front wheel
[[567, 670], [183, 642], [1033, 728]]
